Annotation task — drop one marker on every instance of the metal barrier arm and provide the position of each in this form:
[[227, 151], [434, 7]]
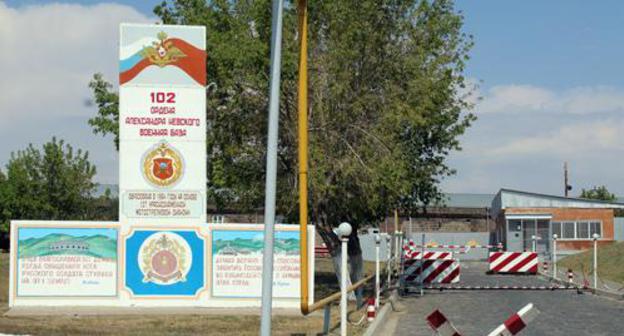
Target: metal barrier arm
[[336, 296]]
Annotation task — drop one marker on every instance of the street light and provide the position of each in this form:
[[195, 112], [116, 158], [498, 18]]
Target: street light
[[343, 231]]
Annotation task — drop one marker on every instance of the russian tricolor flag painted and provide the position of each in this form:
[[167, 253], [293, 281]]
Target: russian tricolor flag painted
[[133, 60]]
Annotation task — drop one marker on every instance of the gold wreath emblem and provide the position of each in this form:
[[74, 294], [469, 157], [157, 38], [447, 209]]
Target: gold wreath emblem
[[163, 244], [162, 166], [162, 52]]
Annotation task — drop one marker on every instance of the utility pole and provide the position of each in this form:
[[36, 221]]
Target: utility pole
[[566, 186]]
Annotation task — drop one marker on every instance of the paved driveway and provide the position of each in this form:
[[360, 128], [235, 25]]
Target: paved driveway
[[478, 312]]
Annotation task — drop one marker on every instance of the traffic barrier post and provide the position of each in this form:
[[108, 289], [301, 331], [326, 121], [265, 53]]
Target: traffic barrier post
[[441, 325], [370, 310], [516, 322]]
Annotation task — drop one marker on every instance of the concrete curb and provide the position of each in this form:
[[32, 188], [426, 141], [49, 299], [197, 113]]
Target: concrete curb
[[380, 319], [598, 292]]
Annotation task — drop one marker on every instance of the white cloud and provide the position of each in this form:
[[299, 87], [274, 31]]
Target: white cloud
[[518, 99], [50, 52], [574, 140], [525, 132]]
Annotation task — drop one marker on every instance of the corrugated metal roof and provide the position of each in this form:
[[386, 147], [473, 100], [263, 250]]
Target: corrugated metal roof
[[467, 200], [507, 198]]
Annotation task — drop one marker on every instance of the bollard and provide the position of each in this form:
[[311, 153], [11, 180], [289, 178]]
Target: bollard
[[596, 236], [370, 310], [533, 238], [570, 276], [545, 265], [344, 230], [377, 284], [554, 256]]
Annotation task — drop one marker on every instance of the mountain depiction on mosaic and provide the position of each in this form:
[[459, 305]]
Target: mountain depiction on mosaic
[[245, 246], [98, 246]]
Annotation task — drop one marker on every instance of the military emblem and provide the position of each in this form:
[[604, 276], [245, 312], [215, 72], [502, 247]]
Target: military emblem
[[165, 259], [162, 52], [163, 165]]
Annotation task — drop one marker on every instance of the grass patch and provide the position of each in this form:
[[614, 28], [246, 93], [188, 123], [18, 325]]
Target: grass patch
[[610, 262], [152, 325]]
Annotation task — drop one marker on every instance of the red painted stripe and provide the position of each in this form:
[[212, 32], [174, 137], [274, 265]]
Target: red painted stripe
[[451, 276], [509, 258], [533, 269], [494, 256], [441, 267], [514, 324], [530, 257], [436, 319]]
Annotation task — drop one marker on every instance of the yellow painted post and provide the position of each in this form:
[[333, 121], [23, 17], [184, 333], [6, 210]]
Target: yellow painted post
[[302, 108]]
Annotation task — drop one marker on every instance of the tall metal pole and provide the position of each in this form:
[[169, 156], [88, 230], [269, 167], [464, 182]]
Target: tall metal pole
[[343, 286], [271, 169], [389, 258], [554, 256], [377, 283], [595, 260], [302, 108]]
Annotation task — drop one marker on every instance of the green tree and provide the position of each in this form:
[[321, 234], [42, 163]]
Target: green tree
[[598, 193], [387, 104], [54, 183]]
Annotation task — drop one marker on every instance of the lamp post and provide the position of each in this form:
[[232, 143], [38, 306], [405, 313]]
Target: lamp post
[[389, 258], [554, 256], [377, 284], [343, 231], [595, 237]]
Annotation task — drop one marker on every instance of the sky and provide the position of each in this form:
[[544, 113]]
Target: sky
[[549, 78]]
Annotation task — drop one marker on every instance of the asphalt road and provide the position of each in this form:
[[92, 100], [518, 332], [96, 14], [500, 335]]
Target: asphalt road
[[562, 312]]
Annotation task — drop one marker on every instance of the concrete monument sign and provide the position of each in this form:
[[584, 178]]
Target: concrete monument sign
[[162, 124]]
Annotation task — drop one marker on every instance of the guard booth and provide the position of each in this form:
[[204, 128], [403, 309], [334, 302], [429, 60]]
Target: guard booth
[[520, 216], [522, 229]]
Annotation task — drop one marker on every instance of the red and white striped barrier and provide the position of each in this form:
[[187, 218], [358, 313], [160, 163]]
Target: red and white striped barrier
[[441, 325], [516, 322], [513, 262], [431, 271], [454, 246], [428, 255], [532, 288], [321, 251]]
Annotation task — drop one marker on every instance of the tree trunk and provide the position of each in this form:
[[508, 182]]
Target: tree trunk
[[354, 251], [357, 264]]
